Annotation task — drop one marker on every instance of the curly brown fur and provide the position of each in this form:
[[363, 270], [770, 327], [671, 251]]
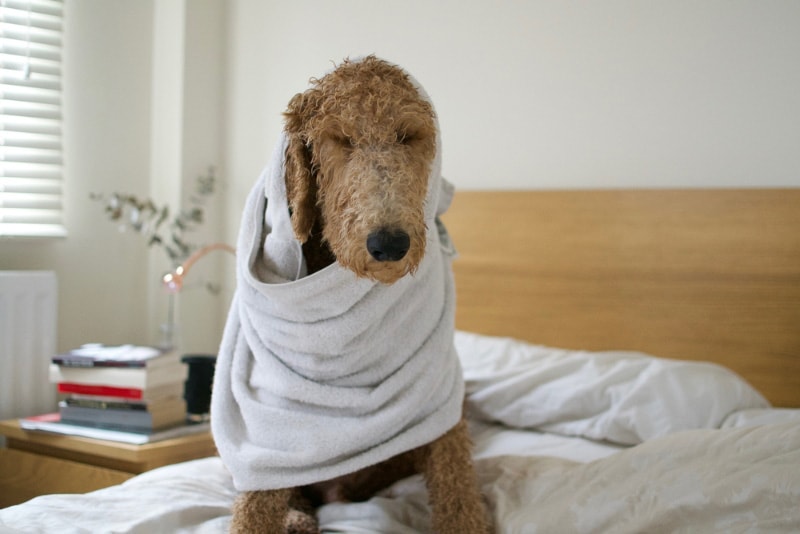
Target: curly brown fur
[[361, 145], [446, 464], [283, 510], [456, 502]]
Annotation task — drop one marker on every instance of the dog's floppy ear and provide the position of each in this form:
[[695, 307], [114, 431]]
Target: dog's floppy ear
[[301, 183]]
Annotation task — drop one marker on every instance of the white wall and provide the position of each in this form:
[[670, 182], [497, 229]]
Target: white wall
[[101, 275], [186, 138], [544, 94], [141, 116], [531, 94]]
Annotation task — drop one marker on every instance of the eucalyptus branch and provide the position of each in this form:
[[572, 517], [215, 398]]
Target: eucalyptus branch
[[156, 223]]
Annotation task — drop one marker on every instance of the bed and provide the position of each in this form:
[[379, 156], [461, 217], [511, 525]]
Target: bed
[[632, 362]]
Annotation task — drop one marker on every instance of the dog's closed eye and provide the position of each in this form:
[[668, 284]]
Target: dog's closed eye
[[406, 137], [344, 140]]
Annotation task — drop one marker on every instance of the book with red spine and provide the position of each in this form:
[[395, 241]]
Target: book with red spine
[[121, 377], [137, 394]]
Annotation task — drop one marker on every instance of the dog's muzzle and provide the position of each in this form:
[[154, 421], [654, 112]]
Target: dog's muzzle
[[388, 245]]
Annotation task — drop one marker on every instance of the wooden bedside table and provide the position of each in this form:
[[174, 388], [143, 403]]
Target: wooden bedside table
[[37, 463]]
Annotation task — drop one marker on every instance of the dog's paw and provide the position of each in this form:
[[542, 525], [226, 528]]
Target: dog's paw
[[298, 522]]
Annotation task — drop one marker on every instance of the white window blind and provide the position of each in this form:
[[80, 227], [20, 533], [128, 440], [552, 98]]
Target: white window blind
[[30, 118]]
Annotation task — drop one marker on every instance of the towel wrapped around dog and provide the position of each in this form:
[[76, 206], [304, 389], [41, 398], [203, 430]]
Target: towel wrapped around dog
[[321, 375]]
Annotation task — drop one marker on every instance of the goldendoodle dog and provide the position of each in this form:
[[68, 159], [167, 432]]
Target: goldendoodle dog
[[360, 146]]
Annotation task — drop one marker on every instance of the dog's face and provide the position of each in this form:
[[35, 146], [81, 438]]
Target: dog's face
[[361, 144]]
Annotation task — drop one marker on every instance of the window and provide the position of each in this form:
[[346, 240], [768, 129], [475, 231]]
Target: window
[[30, 118]]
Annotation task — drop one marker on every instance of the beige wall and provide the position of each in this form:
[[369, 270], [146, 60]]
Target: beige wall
[[531, 94]]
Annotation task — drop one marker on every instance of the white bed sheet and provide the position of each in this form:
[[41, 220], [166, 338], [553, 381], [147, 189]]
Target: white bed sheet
[[196, 496], [564, 442], [729, 480]]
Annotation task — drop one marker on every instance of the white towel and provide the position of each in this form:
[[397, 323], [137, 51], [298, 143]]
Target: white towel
[[319, 376]]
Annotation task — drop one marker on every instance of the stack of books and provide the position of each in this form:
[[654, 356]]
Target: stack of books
[[123, 393]]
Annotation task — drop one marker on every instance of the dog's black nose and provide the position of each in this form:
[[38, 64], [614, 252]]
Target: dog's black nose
[[386, 245]]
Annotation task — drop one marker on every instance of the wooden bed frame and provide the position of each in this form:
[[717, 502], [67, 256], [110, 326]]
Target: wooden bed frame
[[688, 274]]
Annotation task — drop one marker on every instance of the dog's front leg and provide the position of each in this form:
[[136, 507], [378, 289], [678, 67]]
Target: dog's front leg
[[456, 503], [261, 512]]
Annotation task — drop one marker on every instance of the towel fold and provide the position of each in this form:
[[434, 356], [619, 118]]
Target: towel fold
[[321, 375]]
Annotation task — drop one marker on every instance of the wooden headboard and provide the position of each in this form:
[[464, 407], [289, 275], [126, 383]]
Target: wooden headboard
[[689, 274]]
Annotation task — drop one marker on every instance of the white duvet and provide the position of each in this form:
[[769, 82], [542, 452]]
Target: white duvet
[[565, 442]]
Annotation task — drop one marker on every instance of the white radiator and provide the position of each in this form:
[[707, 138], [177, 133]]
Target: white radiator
[[27, 342]]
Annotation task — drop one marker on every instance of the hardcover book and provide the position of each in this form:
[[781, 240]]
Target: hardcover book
[[121, 377], [153, 417], [98, 355], [121, 393]]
